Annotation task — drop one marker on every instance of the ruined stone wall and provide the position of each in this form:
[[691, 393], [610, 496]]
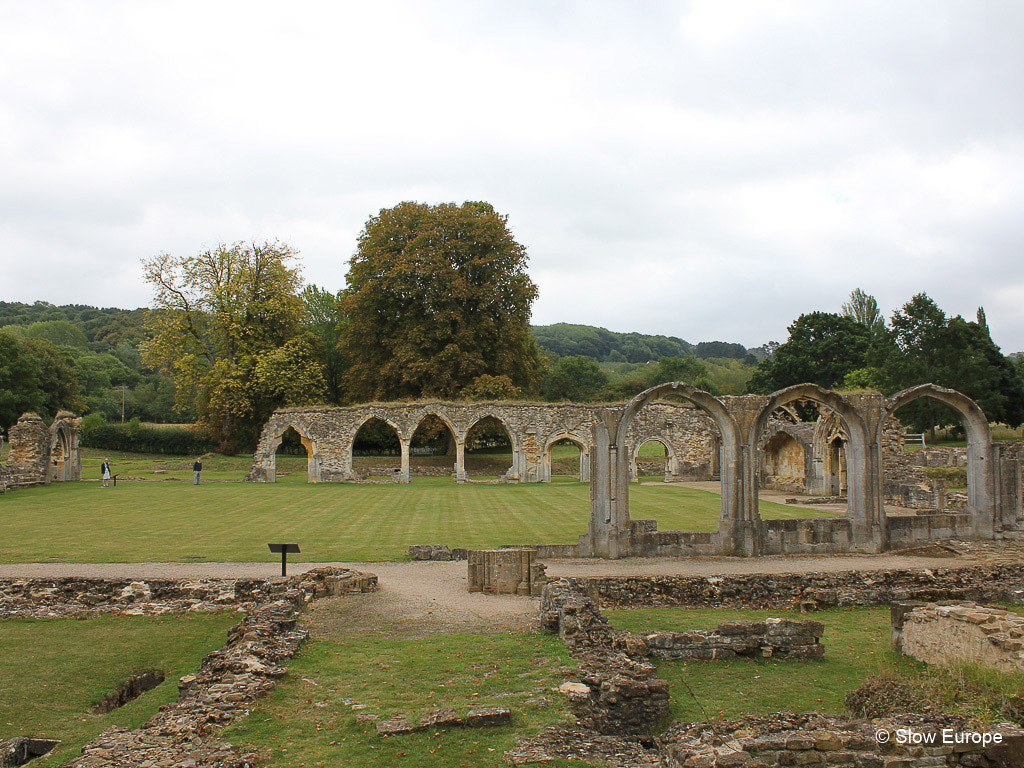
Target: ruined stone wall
[[963, 632], [41, 454], [689, 435], [28, 459], [990, 583], [329, 434], [223, 689]]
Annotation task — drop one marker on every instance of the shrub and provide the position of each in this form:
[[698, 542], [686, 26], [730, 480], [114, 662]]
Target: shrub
[[135, 437]]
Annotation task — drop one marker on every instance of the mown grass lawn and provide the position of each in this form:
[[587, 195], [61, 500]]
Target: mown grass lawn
[[857, 644], [310, 718], [232, 522], [52, 672]]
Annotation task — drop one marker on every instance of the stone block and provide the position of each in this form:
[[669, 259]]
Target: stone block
[[440, 718], [504, 572], [480, 717], [396, 727]]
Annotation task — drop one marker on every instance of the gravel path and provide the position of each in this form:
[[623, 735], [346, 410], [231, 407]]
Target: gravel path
[[421, 598]]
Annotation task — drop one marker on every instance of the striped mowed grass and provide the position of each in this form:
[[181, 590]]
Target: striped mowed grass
[[232, 522]]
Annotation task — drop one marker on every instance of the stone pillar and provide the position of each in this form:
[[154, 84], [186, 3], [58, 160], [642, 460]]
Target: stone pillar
[[1009, 481], [460, 460], [584, 466], [505, 572], [406, 471], [608, 534]]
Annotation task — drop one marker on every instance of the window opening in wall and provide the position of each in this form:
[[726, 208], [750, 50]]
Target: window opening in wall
[[376, 450], [488, 450]]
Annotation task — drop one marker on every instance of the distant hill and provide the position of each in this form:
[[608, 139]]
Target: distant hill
[[567, 339]]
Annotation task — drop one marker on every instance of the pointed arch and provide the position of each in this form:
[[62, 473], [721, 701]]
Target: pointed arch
[[980, 469], [863, 486], [730, 520]]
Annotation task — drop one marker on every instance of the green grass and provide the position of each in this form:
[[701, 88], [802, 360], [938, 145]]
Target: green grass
[[857, 644], [308, 719], [175, 522], [53, 672]]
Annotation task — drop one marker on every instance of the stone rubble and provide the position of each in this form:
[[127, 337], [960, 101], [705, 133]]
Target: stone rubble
[[183, 734]]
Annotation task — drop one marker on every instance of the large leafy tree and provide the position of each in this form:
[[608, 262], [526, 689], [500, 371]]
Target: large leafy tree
[[437, 297], [227, 328], [35, 376], [822, 349], [576, 379], [324, 319], [925, 346]]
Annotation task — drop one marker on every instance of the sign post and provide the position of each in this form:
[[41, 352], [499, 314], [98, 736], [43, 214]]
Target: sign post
[[284, 549]]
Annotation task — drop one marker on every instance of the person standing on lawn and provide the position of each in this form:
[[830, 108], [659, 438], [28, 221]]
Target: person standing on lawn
[[196, 469], [105, 472]]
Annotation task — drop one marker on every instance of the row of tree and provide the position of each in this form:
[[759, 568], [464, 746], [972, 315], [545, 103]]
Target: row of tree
[[858, 349], [436, 305]]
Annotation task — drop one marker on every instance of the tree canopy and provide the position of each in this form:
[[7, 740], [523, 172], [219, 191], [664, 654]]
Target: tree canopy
[[822, 349], [228, 330], [437, 297]]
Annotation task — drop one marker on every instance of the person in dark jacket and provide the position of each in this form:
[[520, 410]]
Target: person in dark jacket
[[196, 469]]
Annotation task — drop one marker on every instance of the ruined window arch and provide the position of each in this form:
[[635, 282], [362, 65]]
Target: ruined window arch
[[435, 446], [566, 438], [291, 441], [980, 479], [668, 461], [729, 434], [490, 448], [376, 448]]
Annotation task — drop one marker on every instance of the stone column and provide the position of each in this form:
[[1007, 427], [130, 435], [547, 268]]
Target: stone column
[[584, 466], [406, 472], [608, 534], [460, 460]]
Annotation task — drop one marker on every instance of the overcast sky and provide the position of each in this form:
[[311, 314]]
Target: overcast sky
[[706, 169]]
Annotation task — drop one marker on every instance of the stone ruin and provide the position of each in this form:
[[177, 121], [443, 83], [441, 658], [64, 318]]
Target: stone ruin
[[950, 633], [744, 442], [41, 454], [505, 572]]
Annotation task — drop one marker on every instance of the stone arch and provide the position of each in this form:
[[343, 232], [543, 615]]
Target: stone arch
[[980, 469], [512, 472], [384, 419], [670, 456], [584, 470], [862, 460], [312, 452], [828, 456], [610, 526], [458, 438], [61, 454]]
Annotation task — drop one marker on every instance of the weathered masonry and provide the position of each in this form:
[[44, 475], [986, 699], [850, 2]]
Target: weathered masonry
[[328, 435], [41, 454], [741, 441]]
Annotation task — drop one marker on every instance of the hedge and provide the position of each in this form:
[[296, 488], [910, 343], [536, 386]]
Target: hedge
[[136, 438]]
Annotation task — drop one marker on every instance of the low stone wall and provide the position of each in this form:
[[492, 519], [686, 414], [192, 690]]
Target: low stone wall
[[962, 632], [577, 619], [812, 536], [938, 457], [75, 596], [908, 530], [618, 692], [778, 638], [985, 583], [228, 681], [814, 739]]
